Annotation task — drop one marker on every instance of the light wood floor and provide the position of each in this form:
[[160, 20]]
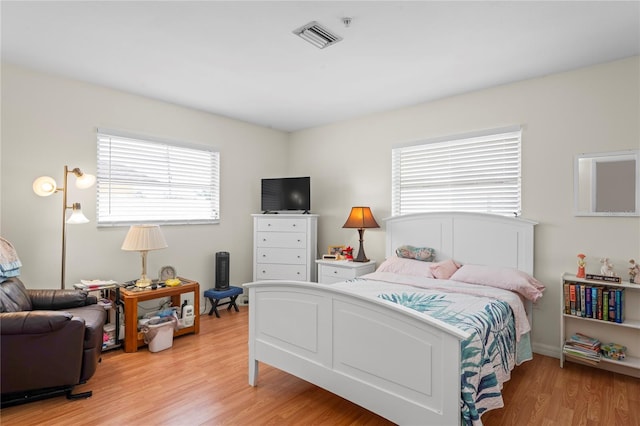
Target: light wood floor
[[202, 380]]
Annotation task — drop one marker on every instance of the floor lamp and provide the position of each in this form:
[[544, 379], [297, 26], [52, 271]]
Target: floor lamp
[[46, 185]]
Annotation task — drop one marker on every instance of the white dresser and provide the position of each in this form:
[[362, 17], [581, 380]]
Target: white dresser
[[284, 247]]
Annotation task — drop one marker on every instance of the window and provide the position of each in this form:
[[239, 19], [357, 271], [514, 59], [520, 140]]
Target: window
[[140, 180], [472, 173]]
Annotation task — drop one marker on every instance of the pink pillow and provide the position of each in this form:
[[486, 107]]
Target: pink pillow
[[404, 266], [505, 278], [443, 270]]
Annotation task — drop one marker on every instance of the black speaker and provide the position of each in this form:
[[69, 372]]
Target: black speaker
[[222, 270]]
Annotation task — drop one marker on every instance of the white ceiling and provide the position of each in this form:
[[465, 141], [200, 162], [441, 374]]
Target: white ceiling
[[240, 59]]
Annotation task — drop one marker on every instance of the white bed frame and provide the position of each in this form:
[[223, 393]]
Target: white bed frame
[[377, 354]]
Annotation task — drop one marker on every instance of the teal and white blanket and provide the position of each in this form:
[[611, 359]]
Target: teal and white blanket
[[494, 318]]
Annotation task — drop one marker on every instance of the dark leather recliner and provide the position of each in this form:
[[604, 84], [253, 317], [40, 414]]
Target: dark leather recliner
[[51, 340]]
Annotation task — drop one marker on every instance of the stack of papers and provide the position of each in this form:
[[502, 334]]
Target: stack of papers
[[96, 284]]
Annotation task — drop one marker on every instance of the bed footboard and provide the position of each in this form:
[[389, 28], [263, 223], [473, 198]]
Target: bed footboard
[[379, 355]]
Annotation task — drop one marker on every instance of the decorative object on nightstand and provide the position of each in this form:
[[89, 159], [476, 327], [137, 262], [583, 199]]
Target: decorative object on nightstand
[[348, 253], [144, 238], [336, 251], [581, 266], [361, 218], [46, 185]]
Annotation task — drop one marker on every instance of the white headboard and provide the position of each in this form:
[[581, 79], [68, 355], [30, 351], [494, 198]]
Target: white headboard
[[475, 238]]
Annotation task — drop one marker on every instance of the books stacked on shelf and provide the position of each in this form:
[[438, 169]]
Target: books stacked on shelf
[[583, 347], [594, 301]]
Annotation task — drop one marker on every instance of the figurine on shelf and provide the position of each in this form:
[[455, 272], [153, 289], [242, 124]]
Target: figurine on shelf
[[634, 270], [581, 265], [607, 268]]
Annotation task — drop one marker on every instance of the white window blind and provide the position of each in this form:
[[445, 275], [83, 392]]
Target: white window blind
[[469, 174], [150, 181]]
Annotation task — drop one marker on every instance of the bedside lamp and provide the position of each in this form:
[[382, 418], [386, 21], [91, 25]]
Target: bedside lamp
[[361, 219], [144, 238]]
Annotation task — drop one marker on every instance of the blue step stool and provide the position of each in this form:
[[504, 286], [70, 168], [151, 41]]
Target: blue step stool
[[216, 295]]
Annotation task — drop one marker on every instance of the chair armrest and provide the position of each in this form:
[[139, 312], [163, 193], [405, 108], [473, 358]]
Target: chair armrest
[[59, 299], [33, 322]]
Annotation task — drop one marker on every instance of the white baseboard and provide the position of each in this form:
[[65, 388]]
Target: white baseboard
[[547, 350]]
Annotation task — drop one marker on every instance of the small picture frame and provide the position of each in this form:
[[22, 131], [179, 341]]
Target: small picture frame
[[167, 273], [336, 250]]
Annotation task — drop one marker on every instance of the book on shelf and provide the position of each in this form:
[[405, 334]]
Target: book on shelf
[[583, 347], [594, 301], [585, 341], [582, 359]]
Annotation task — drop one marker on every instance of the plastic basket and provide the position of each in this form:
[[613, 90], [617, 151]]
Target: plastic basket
[[163, 338]]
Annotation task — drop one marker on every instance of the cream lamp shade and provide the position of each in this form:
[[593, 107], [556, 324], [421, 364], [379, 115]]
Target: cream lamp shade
[[144, 238]]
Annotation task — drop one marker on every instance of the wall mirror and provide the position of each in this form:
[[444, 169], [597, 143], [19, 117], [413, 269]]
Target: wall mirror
[[607, 184]]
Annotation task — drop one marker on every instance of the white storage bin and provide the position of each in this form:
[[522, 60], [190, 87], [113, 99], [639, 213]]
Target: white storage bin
[[160, 336]]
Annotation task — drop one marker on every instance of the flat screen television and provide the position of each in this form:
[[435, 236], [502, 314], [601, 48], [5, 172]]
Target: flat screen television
[[281, 194]]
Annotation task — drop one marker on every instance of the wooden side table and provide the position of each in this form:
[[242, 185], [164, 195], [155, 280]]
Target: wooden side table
[[130, 298]]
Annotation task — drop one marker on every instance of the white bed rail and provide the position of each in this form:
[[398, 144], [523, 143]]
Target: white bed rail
[[377, 354]]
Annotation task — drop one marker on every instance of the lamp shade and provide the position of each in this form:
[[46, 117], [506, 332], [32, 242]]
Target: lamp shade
[[85, 180], [360, 218], [44, 186], [144, 238], [77, 216]]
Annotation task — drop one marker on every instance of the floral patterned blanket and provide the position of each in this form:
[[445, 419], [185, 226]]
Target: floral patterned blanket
[[493, 348]]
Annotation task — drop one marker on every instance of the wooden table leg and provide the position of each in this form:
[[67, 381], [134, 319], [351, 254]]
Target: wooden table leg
[[130, 325]]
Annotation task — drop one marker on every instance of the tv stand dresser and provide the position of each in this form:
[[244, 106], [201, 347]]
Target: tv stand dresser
[[284, 246]]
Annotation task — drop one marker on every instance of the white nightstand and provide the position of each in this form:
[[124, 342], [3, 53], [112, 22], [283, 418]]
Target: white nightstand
[[333, 271]]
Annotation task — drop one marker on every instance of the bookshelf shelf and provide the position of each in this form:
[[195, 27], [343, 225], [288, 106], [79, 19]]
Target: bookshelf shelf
[[630, 361], [626, 333], [627, 322]]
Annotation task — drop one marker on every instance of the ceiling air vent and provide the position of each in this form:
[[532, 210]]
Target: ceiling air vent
[[319, 36]]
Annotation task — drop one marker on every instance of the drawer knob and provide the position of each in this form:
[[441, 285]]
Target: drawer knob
[[264, 255], [264, 239], [294, 225]]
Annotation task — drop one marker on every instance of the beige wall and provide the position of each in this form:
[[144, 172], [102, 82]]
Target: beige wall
[[49, 122], [589, 110]]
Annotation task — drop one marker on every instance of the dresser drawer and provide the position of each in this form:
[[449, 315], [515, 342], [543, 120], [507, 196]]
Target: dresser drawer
[[281, 225], [281, 272], [281, 239], [330, 272], [281, 255], [337, 273]]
